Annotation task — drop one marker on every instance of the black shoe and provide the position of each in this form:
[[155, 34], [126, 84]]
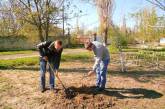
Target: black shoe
[[102, 88], [94, 87], [43, 90], [98, 89]]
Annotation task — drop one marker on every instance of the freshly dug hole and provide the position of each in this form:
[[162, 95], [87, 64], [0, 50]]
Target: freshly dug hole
[[69, 93]]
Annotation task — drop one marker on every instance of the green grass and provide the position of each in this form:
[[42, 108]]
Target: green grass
[[157, 50], [18, 62], [86, 56], [113, 49], [130, 50], [31, 61], [16, 52], [151, 55], [147, 50]]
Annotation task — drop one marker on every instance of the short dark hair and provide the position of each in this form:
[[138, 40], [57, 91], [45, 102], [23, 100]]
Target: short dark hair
[[59, 42], [88, 45], [95, 34]]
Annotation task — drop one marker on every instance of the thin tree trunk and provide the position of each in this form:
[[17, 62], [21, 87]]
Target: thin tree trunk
[[40, 35], [106, 36], [47, 29], [39, 21], [47, 20]]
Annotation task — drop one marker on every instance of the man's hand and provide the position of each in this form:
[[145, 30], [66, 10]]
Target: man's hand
[[45, 58], [90, 73]]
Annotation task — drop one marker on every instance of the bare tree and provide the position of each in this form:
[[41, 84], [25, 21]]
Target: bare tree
[[8, 24], [105, 10], [40, 13], [158, 3]]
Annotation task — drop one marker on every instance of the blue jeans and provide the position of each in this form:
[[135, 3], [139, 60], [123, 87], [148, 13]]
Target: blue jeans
[[101, 72], [43, 64]]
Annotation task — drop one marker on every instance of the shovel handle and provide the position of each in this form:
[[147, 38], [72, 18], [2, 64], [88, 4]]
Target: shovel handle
[[56, 73]]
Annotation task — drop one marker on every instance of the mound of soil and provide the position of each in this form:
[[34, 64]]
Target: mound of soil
[[83, 97]]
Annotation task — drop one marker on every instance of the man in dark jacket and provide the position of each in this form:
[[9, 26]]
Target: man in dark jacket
[[51, 52]]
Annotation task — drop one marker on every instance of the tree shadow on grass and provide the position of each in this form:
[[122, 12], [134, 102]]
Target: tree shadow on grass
[[140, 76], [74, 70], [31, 68], [120, 93]]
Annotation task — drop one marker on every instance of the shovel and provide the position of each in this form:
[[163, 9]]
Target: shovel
[[69, 93]]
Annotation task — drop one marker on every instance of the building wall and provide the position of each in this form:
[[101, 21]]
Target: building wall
[[18, 43], [15, 43]]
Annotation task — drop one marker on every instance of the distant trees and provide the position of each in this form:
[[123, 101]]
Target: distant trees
[[39, 18], [8, 24], [148, 25], [41, 14]]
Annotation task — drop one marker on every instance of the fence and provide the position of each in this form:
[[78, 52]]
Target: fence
[[148, 59]]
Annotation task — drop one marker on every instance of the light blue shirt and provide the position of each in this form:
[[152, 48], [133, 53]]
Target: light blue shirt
[[100, 53]]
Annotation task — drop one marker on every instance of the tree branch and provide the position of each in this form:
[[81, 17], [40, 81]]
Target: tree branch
[[157, 3]]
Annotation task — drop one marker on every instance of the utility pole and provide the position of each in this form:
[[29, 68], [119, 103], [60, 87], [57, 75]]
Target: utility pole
[[77, 23]]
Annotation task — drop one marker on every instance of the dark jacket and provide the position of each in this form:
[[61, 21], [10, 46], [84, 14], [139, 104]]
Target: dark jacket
[[47, 49]]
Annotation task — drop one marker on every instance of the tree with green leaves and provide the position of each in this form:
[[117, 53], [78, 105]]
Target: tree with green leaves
[[147, 20]]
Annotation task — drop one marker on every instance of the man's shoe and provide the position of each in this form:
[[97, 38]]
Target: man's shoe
[[102, 88], [98, 89], [43, 90], [94, 87]]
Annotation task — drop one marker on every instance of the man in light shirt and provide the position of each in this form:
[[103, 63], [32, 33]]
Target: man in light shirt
[[100, 66]]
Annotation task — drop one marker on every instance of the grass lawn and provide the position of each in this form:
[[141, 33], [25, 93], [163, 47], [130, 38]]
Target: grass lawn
[[16, 52], [85, 56], [29, 61]]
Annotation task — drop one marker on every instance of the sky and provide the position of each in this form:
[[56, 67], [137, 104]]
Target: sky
[[90, 20]]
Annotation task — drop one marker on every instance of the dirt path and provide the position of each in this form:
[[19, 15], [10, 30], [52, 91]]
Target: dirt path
[[141, 90], [16, 56], [35, 54]]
